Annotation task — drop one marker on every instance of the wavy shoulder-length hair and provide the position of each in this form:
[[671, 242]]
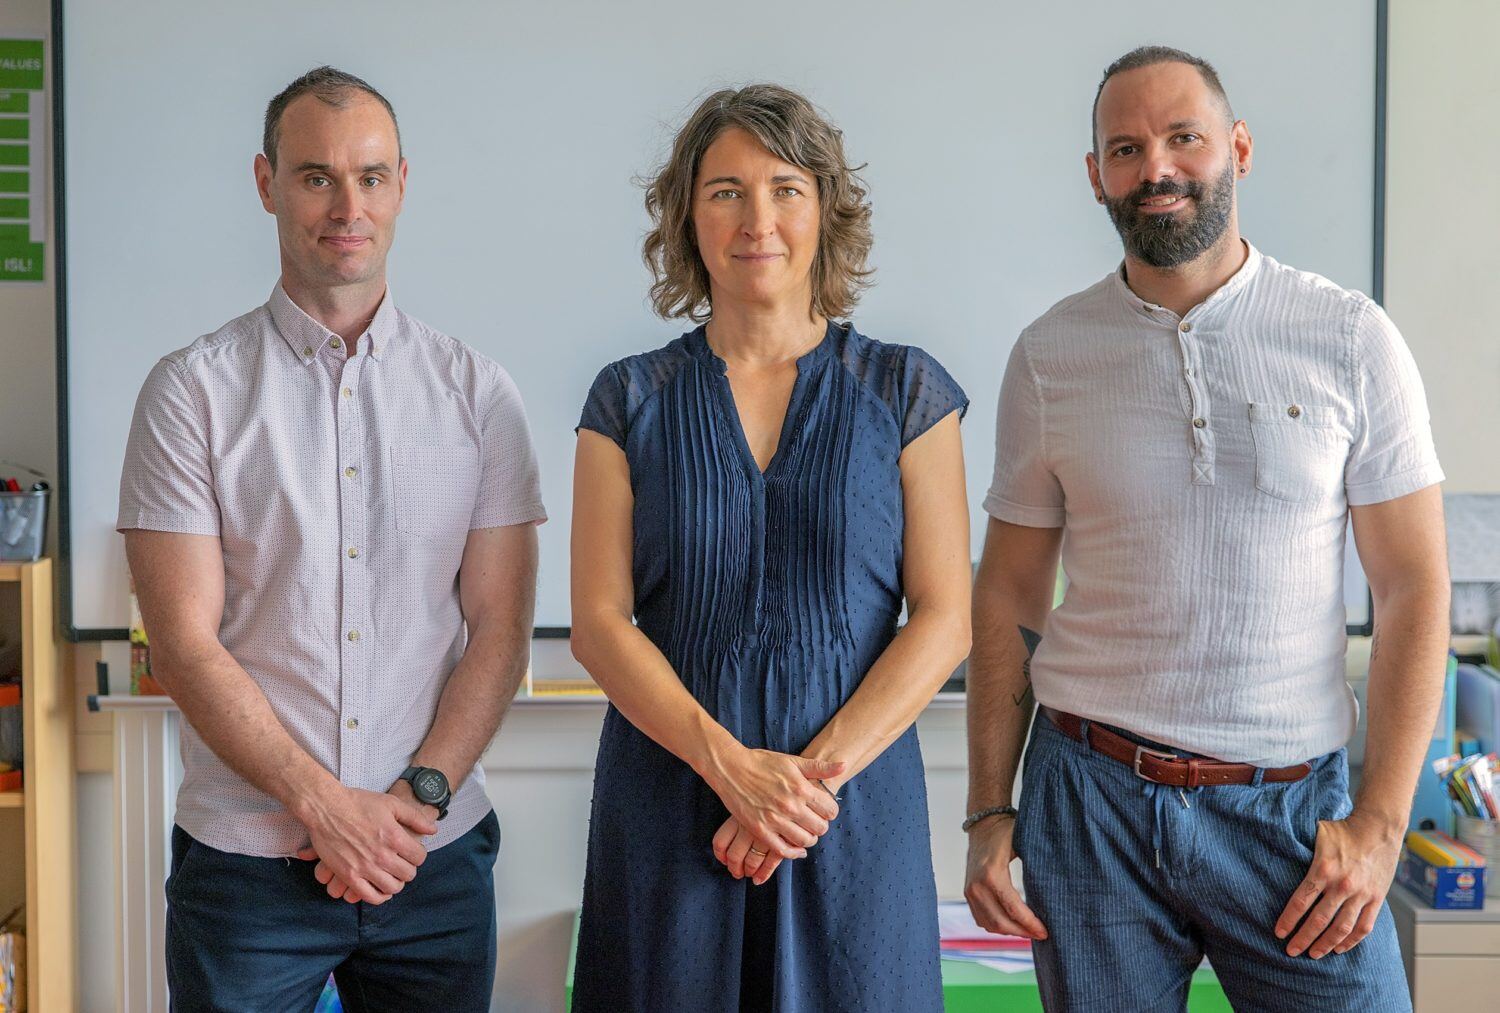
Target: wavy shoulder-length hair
[[794, 131]]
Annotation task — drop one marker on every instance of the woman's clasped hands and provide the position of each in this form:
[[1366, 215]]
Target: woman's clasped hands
[[779, 806]]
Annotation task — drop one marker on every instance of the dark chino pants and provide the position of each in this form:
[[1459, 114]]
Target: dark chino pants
[[261, 934]]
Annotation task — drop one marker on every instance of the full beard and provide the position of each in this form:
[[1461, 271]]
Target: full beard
[[1173, 239]]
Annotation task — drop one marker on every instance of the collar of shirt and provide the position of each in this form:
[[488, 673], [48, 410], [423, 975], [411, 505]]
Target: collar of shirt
[[305, 336], [1221, 297]]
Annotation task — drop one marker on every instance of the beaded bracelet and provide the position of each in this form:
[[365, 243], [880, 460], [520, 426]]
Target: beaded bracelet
[[984, 814]]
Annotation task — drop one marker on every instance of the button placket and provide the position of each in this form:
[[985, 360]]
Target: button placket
[[1200, 408], [354, 603]]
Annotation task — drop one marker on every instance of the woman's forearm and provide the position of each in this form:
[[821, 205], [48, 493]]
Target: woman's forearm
[[643, 687], [898, 687]]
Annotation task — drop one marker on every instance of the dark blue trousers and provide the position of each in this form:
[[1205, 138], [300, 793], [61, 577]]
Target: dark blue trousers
[[261, 934]]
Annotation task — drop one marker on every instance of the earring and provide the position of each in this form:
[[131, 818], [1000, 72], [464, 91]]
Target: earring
[[1243, 170]]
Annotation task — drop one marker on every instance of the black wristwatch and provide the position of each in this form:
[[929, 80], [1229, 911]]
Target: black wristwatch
[[430, 786]]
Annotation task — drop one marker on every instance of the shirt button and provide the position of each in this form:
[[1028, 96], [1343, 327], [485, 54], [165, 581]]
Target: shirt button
[[335, 343], [1184, 327], [354, 634], [348, 392], [352, 723], [350, 471], [1294, 411], [307, 352], [1199, 423], [353, 552]]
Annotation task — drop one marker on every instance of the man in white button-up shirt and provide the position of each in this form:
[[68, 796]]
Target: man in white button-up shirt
[[1201, 425], [329, 510]]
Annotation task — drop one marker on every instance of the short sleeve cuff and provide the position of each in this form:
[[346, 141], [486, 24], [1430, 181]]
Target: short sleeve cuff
[[1394, 486], [504, 517], [181, 524], [1026, 516]]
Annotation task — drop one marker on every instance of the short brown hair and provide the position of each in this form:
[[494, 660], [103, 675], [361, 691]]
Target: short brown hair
[[794, 131], [329, 85], [1150, 56]]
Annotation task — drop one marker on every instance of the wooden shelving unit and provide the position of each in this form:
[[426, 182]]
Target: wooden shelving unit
[[47, 804]]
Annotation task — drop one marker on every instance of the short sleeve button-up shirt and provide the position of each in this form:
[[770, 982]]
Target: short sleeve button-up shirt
[[1203, 468], [342, 488]]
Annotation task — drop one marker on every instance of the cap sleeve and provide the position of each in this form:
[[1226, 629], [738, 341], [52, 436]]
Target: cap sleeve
[[604, 410], [928, 395]]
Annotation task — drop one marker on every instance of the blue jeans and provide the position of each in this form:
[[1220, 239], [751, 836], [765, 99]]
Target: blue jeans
[[1137, 882], [251, 934]]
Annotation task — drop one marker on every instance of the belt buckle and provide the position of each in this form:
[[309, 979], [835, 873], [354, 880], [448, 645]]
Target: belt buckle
[[1142, 750]]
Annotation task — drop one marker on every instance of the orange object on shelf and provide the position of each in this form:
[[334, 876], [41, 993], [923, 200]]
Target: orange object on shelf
[[147, 686], [10, 695], [10, 780]]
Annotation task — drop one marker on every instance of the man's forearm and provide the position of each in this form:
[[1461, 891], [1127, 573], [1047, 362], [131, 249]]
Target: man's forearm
[[1000, 702], [232, 715], [1407, 661], [475, 700]]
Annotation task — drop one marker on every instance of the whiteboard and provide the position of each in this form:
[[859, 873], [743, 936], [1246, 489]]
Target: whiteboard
[[527, 125]]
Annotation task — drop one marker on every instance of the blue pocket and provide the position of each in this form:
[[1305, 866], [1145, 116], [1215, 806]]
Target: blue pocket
[[1036, 767]]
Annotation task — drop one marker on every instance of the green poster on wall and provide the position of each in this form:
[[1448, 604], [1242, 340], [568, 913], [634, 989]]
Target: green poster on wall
[[23, 224]]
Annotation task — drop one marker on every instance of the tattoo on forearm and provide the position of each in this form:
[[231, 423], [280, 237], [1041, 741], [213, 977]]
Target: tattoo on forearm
[[1030, 638], [1374, 646]]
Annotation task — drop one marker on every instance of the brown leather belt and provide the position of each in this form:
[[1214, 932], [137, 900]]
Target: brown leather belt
[[1165, 768]]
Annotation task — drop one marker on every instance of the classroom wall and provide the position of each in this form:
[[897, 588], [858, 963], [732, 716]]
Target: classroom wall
[[1441, 259], [28, 401], [28, 356]]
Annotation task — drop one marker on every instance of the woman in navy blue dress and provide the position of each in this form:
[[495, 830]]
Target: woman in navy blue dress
[[753, 503]]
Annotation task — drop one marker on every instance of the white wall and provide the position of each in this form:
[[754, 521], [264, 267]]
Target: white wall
[[1443, 213], [1442, 262]]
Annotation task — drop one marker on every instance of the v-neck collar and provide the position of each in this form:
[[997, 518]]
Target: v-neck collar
[[698, 347]]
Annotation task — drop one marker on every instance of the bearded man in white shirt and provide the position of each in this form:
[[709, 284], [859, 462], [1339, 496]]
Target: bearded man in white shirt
[[1201, 425]]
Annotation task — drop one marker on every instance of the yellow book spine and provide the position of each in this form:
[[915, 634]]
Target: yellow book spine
[[1437, 852]]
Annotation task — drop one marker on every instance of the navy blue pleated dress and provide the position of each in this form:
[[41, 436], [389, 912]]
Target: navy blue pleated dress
[[771, 595]]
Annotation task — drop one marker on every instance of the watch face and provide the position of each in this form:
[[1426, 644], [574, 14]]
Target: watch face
[[429, 785]]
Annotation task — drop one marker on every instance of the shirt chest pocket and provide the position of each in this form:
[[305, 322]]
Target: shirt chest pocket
[[433, 490], [1300, 451]]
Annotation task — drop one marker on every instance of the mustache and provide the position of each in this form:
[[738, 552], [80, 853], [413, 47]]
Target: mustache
[[1166, 188]]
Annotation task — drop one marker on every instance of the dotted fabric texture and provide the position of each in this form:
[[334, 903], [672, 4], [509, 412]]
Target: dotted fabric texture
[[343, 489], [771, 596], [1203, 467]]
